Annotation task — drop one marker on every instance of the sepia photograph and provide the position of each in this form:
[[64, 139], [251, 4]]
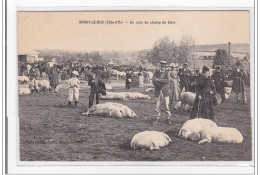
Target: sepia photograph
[[134, 85]]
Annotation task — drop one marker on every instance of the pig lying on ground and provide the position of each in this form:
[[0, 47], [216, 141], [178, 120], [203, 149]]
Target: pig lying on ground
[[220, 134], [113, 96], [150, 140], [108, 87], [187, 107], [111, 110], [24, 91], [135, 95], [191, 128], [187, 98], [124, 96], [23, 79]]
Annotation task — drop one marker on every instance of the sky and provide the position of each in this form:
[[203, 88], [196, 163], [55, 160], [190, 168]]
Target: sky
[[61, 30]]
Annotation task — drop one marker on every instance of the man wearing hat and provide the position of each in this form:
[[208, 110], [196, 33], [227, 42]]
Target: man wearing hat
[[161, 79], [184, 74], [218, 77], [239, 78], [97, 86], [193, 80], [53, 77], [74, 86]]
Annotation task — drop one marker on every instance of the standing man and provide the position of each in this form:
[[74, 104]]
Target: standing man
[[161, 79], [239, 78], [70, 70], [218, 77], [109, 74], [97, 86], [53, 76], [127, 80], [193, 81], [184, 75], [33, 78]]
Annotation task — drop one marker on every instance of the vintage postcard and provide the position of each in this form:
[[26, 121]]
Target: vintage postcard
[[134, 86]]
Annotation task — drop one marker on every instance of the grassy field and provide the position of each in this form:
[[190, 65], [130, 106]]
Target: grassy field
[[51, 132]]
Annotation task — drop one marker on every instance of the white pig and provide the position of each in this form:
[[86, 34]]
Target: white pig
[[220, 134], [151, 140]]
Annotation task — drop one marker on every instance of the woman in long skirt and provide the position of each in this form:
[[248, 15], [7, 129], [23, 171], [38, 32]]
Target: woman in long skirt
[[203, 105], [174, 85]]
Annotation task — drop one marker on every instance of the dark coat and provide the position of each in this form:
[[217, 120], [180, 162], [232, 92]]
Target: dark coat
[[33, 73], [53, 76], [218, 78], [193, 80], [70, 71], [127, 76], [185, 76], [97, 86], [239, 78], [205, 105], [161, 81]]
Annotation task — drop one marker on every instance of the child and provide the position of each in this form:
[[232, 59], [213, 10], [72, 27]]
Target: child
[[74, 88]]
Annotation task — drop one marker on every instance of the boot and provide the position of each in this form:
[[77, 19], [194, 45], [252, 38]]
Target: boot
[[76, 104], [169, 121], [69, 103], [157, 115], [169, 117]]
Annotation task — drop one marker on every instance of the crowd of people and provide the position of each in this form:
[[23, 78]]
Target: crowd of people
[[169, 83]]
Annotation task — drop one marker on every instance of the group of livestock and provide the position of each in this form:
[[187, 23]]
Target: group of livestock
[[199, 129]]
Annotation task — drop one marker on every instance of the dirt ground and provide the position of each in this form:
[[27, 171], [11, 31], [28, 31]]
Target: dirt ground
[[51, 132]]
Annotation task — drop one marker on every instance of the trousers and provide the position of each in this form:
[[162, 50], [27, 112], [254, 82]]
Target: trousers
[[73, 94], [158, 101], [92, 96]]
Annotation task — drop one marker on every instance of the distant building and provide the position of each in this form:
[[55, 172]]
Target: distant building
[[28, 56], [205, 55], [39, 59]]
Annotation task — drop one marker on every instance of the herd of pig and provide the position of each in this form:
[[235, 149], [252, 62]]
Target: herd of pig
[[202, 130], [199, 129]]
